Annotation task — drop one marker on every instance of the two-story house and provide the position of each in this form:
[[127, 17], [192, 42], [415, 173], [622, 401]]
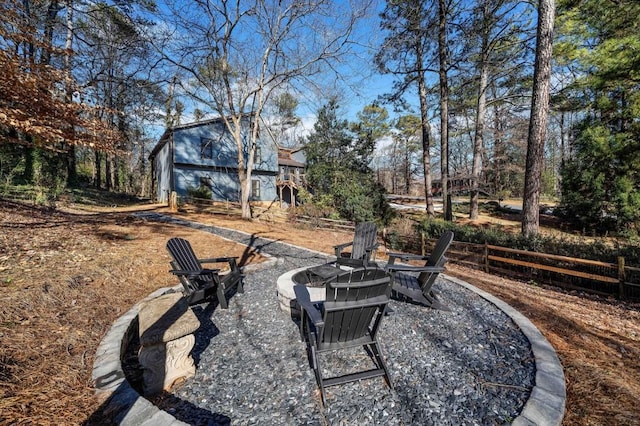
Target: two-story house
[[204, 154]]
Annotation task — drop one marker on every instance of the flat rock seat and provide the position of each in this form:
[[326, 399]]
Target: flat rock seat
[[166, 326]]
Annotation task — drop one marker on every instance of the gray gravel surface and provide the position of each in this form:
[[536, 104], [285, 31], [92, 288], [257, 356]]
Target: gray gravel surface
[[467, 366]]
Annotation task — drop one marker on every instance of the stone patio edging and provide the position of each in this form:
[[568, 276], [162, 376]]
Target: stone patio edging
[[545, 406]]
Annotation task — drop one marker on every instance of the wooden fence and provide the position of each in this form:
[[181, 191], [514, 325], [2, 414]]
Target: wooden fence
[[603, 278]]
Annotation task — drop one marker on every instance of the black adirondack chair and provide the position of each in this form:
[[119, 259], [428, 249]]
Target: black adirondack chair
[[418, 288], [350, 317], [203, 284], [363, 246]]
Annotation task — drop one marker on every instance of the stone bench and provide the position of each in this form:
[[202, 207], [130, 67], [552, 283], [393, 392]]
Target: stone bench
[[166, 326]]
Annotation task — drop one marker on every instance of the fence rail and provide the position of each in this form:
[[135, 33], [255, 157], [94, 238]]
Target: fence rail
[[604, 278]]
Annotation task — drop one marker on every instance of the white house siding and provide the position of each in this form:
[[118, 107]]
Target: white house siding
[[162, 170]]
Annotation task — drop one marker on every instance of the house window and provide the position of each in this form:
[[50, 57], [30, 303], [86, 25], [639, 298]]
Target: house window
[[255, 188], [206, 148], [258, 155]]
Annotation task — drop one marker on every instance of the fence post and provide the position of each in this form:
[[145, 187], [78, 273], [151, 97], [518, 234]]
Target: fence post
[[486, 257], [173, 201], [423, 244], [621, 278]]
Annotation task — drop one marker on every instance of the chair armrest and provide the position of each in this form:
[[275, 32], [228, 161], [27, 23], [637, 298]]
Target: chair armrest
[[338, 249], [307, 306], [182, 272], [355, 263], [217, 259], [233, 266], [409, 268], [406, 256]]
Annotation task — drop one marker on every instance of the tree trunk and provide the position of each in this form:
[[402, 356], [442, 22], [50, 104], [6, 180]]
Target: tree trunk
[[407, 170], [107, 173], [70, 155], [70, 162], [538, 119], [444, 110], [478, 143], [498, 152], [424, 118], [29, 160], [52, 13], [234, 125], [97, 177]]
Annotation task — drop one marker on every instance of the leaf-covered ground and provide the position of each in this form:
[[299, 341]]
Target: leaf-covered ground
[[65, 276]]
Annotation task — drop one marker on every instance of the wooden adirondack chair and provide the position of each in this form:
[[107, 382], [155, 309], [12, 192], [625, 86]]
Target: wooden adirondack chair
[[418, 288], [350, 317], [363, 246], [202, 284]]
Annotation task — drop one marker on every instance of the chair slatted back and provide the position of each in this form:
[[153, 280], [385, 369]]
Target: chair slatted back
[[436, 258], [183, 255], [354, 304], [185, 259], [366, 234]]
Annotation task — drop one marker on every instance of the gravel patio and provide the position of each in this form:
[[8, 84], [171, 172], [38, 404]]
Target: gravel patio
[[470, 365]]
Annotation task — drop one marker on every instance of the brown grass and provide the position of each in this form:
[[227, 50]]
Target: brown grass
[[64, 278]]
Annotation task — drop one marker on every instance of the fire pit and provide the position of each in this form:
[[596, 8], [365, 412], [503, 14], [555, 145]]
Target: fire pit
[[312, 278]]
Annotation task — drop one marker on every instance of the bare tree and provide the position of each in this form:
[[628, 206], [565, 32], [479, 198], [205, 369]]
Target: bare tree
[[498, 32], [235, 54], [538, 119]]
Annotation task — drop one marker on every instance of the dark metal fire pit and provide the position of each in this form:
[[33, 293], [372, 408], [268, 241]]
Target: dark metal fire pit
[[316, 276]]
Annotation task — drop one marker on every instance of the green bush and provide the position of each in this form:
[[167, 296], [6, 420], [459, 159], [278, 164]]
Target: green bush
[[199, 192]]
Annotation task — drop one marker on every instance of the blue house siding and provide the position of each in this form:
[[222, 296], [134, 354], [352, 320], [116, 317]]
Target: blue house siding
[[205, 154], [224, 185]]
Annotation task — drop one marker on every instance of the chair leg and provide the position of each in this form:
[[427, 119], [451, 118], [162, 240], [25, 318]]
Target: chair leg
[[241, 285], [301, 328], [318, 373], [222, 299], [377, 353]]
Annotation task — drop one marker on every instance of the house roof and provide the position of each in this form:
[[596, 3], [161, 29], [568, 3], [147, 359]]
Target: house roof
[[289, 162]]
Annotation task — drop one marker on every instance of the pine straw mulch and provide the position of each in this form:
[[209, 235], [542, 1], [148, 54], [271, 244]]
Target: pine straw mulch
[[64, 278]]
